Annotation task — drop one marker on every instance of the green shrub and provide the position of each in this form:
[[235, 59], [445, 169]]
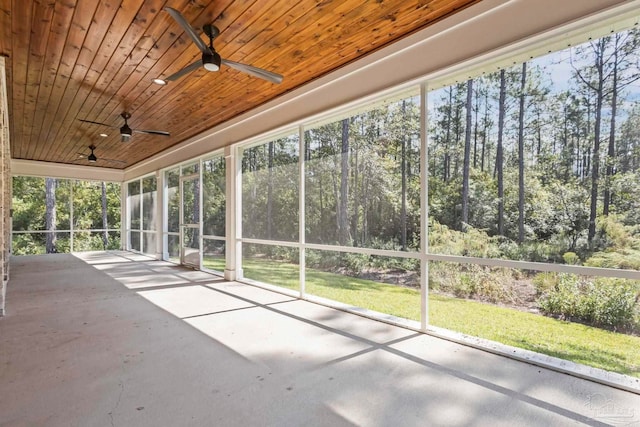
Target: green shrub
[[612, 233], [484, 283], [571, 258], [472, 242], [545, 282], [354, 263], [604, 302], [622, 258]]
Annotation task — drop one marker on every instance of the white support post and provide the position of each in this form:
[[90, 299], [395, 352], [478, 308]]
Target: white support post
[[159, 214], [424, 210], [200, 227], [124, 238], [301, 211], [233, 224], [71, 185]]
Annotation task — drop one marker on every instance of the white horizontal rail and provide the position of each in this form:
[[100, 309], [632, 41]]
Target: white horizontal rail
[[75, 230], [489, 262], [538, 266]]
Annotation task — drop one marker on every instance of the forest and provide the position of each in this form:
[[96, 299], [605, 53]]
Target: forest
[[49, 208], [536, 162]]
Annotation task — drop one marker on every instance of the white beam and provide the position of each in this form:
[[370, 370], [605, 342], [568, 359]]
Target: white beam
[[61, 170]]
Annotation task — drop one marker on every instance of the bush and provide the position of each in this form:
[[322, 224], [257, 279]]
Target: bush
[[604, 302], [545, 282], [612, 233], [472, 242], [622, 258], [571, 258], [488, 284], [354, 263]]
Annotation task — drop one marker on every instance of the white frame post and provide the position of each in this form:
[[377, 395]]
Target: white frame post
[[71, 185], [424, 210], [233, 217], [124, 216], [301, 211], [160, 220], [200, 220]]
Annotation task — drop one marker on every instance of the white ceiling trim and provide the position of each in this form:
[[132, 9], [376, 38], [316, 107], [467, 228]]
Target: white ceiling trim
[[61, 170]]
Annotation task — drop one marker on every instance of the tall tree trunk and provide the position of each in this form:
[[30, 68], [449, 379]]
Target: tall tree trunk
[[105, 225], [355, 218], [50, 215], [467, 154], [566, 163], [539, 135], [475, 129], [523, 83], [595, 161], [500, 153], [447, 140], [611, 150], [343, 223], [587, 169], [485, 130], [456, 138]]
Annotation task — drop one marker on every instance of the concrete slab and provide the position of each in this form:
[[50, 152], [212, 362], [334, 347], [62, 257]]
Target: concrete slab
[[79, 348], [189, 301]]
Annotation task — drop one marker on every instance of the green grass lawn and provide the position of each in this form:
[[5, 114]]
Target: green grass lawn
[[570, 341]]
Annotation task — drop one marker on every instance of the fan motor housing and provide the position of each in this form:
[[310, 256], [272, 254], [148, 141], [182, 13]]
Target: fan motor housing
[[211, 62]]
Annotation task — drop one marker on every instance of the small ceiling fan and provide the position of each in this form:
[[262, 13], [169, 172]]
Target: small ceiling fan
[[211, 60], [92, 158], [125, 130]]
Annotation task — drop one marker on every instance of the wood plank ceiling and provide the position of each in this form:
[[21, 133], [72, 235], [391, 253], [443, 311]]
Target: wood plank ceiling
[[86, 59]]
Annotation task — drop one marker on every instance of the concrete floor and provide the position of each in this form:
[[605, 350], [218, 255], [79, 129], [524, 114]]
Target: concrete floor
[[113, 339]]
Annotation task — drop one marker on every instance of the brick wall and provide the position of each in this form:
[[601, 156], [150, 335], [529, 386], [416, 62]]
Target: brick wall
[[5, 188]]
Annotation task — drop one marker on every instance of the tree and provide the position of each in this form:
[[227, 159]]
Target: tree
[[467, 153], [523, 83], [50, 215], [342, 216], [403, 190], [500, 152], [594, 79], [624, 73]]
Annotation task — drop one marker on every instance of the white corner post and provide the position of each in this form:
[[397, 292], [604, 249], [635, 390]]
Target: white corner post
[[424, 210], [124, 238], [5, 191], [161, 220], [301, 211], [200, 216], [233, 223]]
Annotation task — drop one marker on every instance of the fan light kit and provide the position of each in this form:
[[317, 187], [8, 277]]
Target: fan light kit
[[92, 158], [125, 130], [211, 60]]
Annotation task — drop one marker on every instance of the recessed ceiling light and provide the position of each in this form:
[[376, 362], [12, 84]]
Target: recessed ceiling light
[[159, 82], [104, 135]]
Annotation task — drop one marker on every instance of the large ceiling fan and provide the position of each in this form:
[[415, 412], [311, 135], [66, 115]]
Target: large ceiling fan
[[125, 130], [92, 158], [211, 60]]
